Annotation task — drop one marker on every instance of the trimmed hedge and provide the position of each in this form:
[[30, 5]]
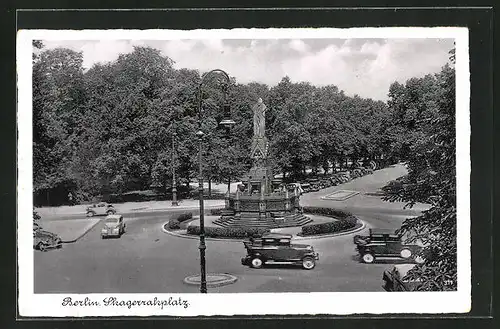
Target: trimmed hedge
[[330, 227], [228, 232], [174, 224], [329, 212], [185, 217], [216, 212], [345, 221]]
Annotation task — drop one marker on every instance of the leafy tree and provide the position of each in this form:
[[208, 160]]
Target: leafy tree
[[432, 179], [58, 99], [111, 129]]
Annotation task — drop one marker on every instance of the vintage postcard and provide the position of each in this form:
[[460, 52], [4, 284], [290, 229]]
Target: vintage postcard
[[243, 172]]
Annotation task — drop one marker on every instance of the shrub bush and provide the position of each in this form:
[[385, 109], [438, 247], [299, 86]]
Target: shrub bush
[[345, 221], [184, 217], [329, 212], [329, 227], [351, 220], [216, 212], [229, 232], [173, 224]]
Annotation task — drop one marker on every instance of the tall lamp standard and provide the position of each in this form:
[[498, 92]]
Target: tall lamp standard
[[174, 183], [227, 122]]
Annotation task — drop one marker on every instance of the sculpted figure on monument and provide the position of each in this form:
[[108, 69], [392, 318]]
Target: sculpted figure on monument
[[259, 119]]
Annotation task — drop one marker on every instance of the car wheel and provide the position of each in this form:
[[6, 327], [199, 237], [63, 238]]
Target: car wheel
[[405, 253], [368, 258], [419, 259], [90, 214], [256, 262], [110, 212], [308, 263]]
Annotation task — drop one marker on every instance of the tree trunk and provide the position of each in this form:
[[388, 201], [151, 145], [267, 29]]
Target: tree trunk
[[229, 185], [209, 187]]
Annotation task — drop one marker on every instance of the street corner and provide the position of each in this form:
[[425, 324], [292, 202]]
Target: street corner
[[71, 230]]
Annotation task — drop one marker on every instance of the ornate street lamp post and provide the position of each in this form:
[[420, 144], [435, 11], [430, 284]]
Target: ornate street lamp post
[[227, 122], [174, 183]]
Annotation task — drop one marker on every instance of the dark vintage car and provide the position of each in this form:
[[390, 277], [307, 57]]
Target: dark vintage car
[[44, 240], [273, 248], [114, 226], [315, 184], [102, 208], [394, 279], [385, 243]]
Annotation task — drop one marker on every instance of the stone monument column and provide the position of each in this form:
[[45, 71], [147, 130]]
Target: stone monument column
[[259, 140]]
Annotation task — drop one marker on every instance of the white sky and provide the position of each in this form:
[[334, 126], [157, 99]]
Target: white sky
[[365, 67]]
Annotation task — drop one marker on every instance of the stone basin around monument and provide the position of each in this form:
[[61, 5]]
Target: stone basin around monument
[[271, 210], [266, 203]]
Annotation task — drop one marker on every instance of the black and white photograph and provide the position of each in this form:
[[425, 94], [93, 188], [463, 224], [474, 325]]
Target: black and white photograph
[[243, 171]]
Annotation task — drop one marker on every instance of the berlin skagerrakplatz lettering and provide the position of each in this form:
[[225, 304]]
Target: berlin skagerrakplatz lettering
[[113, 301], [68, 301]]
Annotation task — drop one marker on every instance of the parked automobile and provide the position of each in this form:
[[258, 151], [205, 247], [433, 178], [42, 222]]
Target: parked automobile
[[367, 171], [292, 186], [314, 184], [356, 173], [114, 226], [273, 248], [394, 279], [102, 208], [336, 179], [385, 243], [326, 183], [306, 187], [44, 240]]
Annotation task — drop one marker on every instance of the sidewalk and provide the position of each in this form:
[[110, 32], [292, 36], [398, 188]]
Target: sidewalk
[[130, 207], [143, 206]]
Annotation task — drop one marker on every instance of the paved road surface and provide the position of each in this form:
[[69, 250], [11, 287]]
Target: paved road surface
[[146, 260]]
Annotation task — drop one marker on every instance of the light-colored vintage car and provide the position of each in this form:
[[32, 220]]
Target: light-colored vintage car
[[114, 226], [101, 208]]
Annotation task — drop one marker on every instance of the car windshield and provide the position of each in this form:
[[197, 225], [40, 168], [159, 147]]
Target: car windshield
[[112, 220]]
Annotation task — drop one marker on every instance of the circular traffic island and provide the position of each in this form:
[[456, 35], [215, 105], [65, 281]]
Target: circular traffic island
[[213, 279]]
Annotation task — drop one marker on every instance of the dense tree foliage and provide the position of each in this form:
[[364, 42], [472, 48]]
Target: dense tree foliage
[[112, 128], [424, 111]]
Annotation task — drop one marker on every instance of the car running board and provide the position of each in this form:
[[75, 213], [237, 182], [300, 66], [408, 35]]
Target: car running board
[[275, 262]]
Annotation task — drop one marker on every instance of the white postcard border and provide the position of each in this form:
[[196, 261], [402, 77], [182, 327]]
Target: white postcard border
[[339, 303]]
